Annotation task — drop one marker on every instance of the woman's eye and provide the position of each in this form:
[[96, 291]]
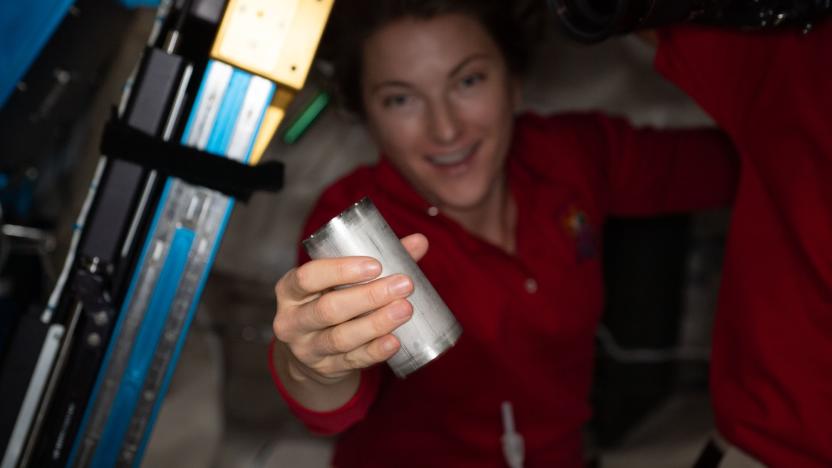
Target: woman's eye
[[396, 100], [469, 81]]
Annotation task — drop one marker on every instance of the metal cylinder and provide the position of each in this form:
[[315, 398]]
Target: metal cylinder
[[362, 231]]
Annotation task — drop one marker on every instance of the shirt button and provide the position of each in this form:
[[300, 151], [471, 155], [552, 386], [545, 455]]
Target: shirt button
[[433, 211], [531, 286]]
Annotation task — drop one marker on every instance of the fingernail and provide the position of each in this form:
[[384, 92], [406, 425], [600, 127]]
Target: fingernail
[[389, 345], [398, 311], [400, 285], [369, 268]]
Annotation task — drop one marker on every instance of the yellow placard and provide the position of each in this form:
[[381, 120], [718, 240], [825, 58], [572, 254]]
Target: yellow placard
[[276, 39]]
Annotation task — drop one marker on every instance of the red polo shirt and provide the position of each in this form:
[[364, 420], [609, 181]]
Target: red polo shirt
[[771, 372], [529, 319]]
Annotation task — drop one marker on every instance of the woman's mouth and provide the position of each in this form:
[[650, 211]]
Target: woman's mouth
[[454, 158]]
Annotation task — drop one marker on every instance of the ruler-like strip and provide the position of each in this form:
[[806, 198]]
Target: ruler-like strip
[[210, 226], [140, 359], [201, 207], [199, 126], [248, 102]]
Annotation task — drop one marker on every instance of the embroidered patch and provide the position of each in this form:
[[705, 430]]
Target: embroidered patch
[[576, 223]]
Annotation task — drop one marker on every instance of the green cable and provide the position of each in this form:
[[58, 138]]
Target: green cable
[[306, 118]]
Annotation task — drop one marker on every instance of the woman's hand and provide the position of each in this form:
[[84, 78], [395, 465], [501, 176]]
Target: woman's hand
[[330, 334]]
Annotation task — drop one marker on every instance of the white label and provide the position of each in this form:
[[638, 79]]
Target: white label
[[214, 86], [245, 129]]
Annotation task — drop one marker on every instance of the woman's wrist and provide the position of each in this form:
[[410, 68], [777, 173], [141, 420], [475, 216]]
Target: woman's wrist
[[314, 392]]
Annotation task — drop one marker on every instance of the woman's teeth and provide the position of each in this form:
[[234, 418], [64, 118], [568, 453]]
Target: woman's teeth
[[449, 159]]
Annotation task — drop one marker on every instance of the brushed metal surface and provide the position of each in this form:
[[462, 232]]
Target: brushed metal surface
[[362, 231]]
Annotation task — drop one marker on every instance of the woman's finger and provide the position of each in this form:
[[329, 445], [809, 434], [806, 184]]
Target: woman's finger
[[374, 352], [350, 335], [416, 245], [319, 275], [339, 306]]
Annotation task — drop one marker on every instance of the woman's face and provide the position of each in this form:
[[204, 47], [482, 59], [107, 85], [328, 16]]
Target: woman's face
[[439, 101]]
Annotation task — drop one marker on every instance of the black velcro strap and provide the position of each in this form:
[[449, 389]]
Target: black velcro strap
[[197, 167]]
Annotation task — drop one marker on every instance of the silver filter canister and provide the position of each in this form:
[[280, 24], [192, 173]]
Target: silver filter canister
[[362, 231]]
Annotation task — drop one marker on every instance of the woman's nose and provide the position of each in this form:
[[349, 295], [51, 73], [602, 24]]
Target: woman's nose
[[445, 125]]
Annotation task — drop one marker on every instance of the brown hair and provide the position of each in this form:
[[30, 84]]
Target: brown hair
[[512, 24]]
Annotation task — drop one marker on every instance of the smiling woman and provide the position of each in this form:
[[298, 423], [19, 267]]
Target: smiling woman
[[439, 100], [498, 195]]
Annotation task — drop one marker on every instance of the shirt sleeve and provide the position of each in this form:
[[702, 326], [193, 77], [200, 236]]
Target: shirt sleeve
[[647, 171], [722, 69], [339, 419], [628, 171]]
